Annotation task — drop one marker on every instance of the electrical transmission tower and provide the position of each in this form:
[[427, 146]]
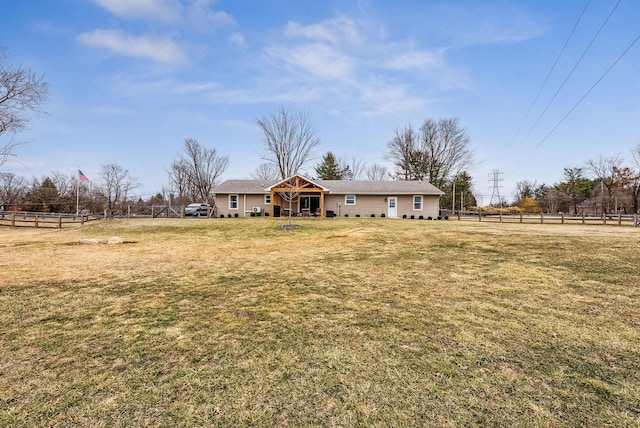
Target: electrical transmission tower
[[495, 193]]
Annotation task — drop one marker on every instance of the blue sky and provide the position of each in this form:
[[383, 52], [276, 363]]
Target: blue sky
[[131, 79]]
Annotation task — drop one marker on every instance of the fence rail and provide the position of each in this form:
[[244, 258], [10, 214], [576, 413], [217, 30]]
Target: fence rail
[[606, 219], [43, 220], [55, 220]]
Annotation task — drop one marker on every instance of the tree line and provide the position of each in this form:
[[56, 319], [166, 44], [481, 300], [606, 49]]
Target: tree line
[[608, 184]]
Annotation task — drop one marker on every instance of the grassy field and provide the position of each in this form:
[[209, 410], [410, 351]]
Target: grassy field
[[344, 322]]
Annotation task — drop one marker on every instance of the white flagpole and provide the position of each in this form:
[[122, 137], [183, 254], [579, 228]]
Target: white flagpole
[[78, 192]]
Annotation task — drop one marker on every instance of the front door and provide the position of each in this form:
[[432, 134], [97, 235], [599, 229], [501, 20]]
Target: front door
[[392, 210]]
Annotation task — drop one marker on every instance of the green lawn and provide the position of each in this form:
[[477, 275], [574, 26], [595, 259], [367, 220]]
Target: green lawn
[[344, 322]]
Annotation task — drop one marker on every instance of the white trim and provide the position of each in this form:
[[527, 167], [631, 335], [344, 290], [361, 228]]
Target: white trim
[[267, 196], [392, 212], [347, 203], [413, 202], [237, 202]]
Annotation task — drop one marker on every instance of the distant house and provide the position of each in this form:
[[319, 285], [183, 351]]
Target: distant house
[[301, 196]]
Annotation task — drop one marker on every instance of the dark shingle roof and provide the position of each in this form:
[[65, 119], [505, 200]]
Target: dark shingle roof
[[340, 187], [244, 186], [362, 187]]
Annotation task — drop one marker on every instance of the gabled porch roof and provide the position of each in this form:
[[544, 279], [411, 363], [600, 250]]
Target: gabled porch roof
[[298, 184]]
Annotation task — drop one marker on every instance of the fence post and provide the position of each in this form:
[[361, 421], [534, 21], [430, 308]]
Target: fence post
[[604, 218], [60, 221], [619, 219], [541, 217], [36, 221], [129, 211], [520, 216], [479, 216], [582, 218], [562, 218], [635, 219], [105, 214], [13, 220], [459, 215], [500, 216]]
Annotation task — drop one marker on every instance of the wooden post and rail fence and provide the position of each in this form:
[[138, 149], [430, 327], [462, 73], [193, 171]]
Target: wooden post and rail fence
[[542, 218], [58, 221]]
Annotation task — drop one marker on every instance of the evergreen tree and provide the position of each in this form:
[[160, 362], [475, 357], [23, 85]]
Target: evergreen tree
[[330, 169], [576, 186], [464, 195], [43, 197]]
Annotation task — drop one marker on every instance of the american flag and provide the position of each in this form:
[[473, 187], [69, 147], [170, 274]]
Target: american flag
[[83, 177]]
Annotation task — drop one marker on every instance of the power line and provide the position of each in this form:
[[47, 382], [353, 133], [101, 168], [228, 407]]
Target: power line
[[572, 70], [587, 93], [526, 116]]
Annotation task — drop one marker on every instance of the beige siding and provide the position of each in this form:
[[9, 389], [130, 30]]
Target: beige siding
[[376, 204], [245, 206], [365, 205]]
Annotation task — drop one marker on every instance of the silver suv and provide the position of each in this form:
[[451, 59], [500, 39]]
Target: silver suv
[[197, 210]]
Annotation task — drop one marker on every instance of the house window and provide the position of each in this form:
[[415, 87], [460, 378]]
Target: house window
[[350, 199], [267, 199], [417, 203], [233, 202]]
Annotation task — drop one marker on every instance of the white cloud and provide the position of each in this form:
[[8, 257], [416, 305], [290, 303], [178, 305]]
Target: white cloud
[[413, 59], [316, 59], [490, 33], [193, 14], [200, 14], [334, 31], [155, 48], [489, 24], [162, 10], [333, 61], [147, 85], [238, 39]]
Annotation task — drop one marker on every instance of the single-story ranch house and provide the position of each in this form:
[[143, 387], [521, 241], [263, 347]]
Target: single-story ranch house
[[301, 196]]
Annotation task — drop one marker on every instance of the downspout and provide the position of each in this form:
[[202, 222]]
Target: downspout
[[244, 205]]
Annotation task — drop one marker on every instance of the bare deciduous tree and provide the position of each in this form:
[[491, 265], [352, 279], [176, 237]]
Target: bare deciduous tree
[[21, 92], [290, 140], [358, 168], [604, 170], [524, 189], [266, 171], [402, 150], [116, 185], [179, 179], [12, 189], [197, 171], [436, 153], [353, 169], [66, 186], [378, 172]]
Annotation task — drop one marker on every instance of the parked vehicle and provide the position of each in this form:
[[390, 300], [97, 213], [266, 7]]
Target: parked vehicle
[[197, 210]]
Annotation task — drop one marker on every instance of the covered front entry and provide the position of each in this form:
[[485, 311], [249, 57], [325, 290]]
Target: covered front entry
[[297, 196]]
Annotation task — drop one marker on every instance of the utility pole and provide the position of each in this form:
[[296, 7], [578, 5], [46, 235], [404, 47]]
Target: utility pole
[[453, 203], [495, 194]]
